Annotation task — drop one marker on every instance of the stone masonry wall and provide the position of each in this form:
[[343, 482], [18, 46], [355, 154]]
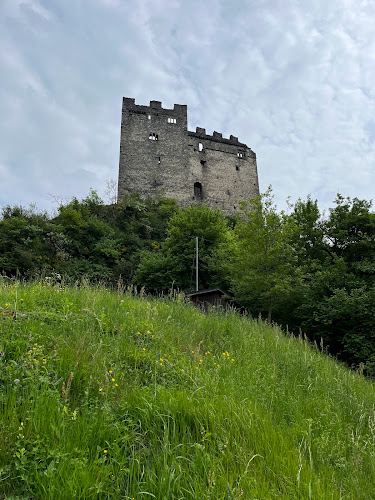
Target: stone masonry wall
[[152, 149], [225, 168], [158, 156]]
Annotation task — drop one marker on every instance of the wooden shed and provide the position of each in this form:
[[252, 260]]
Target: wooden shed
[[210, 298]]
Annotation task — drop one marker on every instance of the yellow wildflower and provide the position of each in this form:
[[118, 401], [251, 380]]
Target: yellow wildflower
[[100, 390], [112, 379]]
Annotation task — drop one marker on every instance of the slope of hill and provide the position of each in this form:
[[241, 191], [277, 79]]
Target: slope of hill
[[107, 395]]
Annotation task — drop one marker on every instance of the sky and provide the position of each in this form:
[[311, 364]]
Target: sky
[[293, 79]]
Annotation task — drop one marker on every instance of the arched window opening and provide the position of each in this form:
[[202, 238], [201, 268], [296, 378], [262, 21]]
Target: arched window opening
[[198, 191], [200, 146]]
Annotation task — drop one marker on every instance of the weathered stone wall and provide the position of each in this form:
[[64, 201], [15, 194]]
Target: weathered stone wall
[[159, 156], [152, 150], [225, 168]]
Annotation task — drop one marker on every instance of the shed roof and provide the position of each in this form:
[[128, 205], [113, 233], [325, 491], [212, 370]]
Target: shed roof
[[206, 291]]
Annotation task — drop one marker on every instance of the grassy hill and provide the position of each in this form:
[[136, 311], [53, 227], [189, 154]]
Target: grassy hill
[[107, 395]]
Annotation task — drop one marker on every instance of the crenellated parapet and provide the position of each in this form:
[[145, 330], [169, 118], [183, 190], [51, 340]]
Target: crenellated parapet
[[128, 104], [216, 136]]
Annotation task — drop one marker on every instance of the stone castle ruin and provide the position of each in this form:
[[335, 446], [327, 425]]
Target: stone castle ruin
[[160, 156]]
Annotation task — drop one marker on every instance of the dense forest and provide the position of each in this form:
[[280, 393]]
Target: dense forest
[[308, 271]]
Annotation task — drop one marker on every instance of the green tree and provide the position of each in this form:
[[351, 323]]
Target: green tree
[[25, 244], [86, 238], [350, 234], [174, 262], [337, 295], [261, 263], [308, 239]]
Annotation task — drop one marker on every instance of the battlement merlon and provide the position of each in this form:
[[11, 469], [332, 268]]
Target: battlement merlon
[[128, 102], [200, 133]]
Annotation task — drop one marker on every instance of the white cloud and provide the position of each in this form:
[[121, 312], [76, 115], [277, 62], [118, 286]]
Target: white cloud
[[16, 8]]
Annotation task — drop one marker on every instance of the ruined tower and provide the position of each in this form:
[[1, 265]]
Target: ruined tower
[[159, 156]]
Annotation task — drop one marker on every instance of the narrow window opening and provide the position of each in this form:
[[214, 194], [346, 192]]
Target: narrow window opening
[[198, 191], [159, 160], [153, 137], [240, 154], [200, 147], [172, 120], [203, 163], [237, 167]]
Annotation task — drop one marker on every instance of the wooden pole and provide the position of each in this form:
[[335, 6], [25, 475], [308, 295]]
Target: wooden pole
[[196, 264]]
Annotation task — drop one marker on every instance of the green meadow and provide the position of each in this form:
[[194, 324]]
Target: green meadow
[[108, 394]]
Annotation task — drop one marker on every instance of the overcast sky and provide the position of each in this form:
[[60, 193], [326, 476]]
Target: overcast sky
[[293, 79]]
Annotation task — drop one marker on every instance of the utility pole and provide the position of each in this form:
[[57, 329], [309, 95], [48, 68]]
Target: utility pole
[[196, 264]]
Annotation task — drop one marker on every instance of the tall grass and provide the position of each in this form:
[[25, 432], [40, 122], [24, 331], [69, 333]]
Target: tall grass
[[107, 395]]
